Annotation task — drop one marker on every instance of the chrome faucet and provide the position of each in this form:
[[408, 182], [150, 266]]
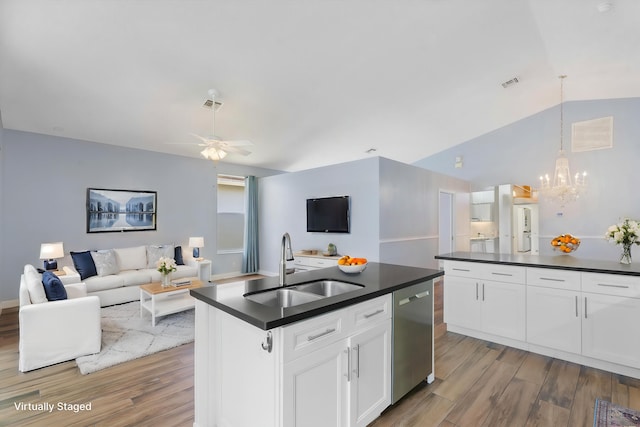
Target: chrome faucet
[[285, 255]]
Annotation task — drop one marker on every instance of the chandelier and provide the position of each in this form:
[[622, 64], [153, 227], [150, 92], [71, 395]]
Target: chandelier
[[564, 188]]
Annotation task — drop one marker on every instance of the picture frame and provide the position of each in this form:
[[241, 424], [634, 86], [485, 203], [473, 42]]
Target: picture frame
[[121, 210]]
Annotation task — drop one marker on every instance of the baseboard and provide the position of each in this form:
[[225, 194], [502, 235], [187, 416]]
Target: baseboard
[[9, 304]]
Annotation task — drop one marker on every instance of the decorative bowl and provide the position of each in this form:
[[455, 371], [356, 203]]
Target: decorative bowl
[[565, 243], [352, 269]]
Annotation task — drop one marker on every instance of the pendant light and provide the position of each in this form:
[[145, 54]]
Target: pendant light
[[564, 188]]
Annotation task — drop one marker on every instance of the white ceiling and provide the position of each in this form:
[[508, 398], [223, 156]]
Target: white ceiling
[[309, 82]]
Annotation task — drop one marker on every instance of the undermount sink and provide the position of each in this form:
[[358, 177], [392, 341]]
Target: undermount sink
[[302, 293], [328, 288], [283, 297]]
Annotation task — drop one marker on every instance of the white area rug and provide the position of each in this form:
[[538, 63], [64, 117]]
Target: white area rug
[[127, 336]]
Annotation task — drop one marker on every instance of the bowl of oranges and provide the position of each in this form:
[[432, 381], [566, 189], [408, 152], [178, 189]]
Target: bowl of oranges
[[352, 265], [565, 243]]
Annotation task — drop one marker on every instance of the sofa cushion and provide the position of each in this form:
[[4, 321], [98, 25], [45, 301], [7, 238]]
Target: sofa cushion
[[154, 253], [133, 258], [34, 285], [177, 255], [102, 283], [136, 277], [53, 287], [83, 262], [105, 262]]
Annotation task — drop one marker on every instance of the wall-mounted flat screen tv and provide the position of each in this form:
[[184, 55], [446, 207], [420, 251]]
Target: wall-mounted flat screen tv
[[328, 214]]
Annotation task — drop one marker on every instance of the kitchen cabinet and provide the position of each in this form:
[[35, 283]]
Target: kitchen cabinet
[[610, 318], [345, 381], [554, 309], [485, 297], [370, 388], [332, 369], [305, 263]]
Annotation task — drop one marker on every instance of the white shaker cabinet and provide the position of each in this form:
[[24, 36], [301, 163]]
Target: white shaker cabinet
[[329, 370], [315, 388], [485, 297], [370, 388], [611, 317], [554, 309]]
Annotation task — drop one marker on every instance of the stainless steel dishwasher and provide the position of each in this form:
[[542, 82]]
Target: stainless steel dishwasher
[[412, 351]]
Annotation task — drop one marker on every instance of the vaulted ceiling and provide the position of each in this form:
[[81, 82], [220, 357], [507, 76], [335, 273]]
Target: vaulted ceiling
[[309, 82]]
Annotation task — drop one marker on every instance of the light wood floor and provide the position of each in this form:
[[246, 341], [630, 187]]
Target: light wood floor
[[477, 384]]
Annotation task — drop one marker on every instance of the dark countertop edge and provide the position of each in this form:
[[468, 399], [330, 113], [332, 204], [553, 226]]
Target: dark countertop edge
[[465, 257], [296, 317]]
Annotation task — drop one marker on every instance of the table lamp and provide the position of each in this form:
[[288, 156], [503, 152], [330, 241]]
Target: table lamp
[[49, 252], [196, 243]]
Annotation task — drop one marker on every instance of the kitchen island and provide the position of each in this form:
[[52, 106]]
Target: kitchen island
[[323, 362], [579, 310]]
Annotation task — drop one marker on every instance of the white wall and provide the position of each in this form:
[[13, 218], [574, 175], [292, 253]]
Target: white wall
[[409, 210], [44, 183], [520, 152], [283, 209]]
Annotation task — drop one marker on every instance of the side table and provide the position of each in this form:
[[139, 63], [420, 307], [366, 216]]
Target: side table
[[204, 269]]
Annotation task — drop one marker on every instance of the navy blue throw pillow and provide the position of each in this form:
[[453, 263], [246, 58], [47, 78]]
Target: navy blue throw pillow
[[177, 255], [53, 287], [83, 261]]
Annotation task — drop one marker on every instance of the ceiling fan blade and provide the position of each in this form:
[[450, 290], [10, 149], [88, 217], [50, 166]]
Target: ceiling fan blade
[[202, 138], [237, 143], [236, 150]]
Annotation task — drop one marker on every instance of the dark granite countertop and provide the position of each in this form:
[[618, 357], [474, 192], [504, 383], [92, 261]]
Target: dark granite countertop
[[377, 279], [560, 262]]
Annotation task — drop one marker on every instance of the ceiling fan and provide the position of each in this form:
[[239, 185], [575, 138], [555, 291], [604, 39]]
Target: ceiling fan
[[215, 148]]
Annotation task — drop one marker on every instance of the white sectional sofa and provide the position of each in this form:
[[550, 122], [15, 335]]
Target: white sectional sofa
[[119, 272]]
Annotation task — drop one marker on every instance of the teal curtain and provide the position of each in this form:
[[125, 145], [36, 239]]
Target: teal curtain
[[250, 258]]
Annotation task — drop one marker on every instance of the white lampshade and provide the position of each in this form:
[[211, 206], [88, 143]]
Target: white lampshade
[[51, 250], [196, 242]]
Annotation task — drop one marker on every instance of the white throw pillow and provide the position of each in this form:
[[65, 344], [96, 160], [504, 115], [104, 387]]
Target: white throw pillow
[[131, 258], [105, 262], [34, 285], [154, 253]]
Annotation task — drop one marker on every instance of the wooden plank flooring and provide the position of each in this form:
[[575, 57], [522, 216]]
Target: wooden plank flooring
[[478, 383]]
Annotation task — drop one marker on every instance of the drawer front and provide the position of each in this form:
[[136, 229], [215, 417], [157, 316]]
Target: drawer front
[[309, 335], [503, 273], [172, 296], [551, 278], [462, 269], [611, 284], [315, 262], [369, 312]]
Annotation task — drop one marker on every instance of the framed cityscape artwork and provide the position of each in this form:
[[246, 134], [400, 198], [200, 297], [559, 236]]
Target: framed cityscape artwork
[[120, 210]]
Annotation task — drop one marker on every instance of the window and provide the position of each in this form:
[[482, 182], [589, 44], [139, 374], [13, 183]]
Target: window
[[231, 212]]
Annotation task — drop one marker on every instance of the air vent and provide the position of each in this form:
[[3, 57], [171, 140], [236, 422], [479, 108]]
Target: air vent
[[596, 134], [510, 82], [208, 103]]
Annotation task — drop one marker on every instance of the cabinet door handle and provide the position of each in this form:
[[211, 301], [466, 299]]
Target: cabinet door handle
[[606, 285], [576, 305], [461, 269], [501, 274], [483, 292], [356, 371], [348, 374], [551, 279], [379, 311], [321, 334], [476, 291], [585, 307]]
